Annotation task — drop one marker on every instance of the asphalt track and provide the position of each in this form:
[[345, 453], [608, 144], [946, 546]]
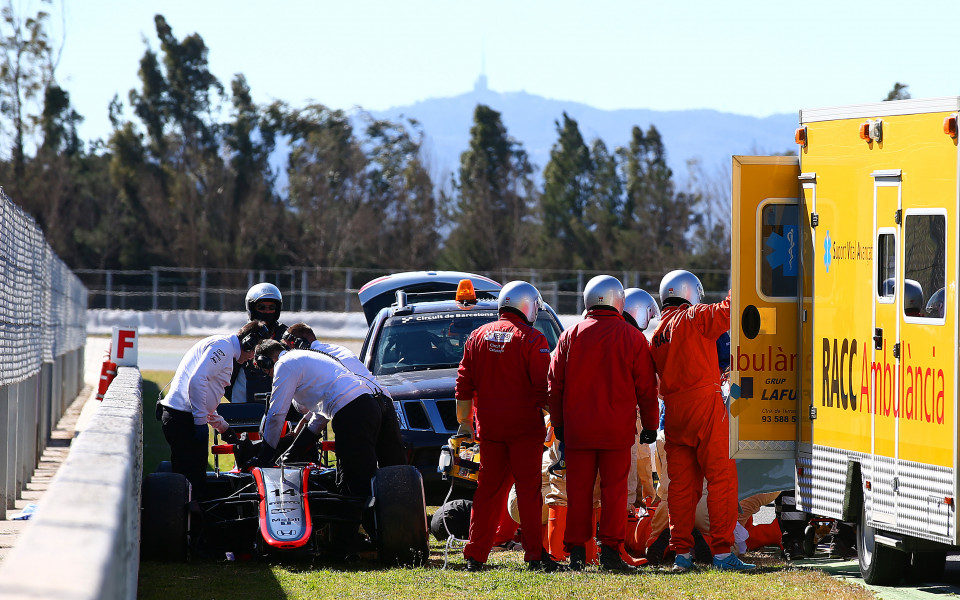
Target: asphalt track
[[849, 570], [163, 353]]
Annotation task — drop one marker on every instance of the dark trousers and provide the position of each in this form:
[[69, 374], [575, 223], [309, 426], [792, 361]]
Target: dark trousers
[[367, 434], [188, 447]]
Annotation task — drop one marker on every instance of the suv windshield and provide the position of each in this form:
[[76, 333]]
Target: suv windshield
[[426, 341]]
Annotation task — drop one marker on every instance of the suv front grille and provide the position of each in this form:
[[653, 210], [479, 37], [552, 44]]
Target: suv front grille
[[416, 415], [448, 413]]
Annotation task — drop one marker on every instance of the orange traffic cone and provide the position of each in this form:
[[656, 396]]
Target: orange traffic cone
[[107, 374]]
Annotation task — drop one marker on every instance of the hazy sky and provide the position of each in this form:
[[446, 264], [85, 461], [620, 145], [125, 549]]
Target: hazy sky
[[748, 57]]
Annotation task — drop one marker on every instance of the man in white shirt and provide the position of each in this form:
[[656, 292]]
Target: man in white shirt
[[300, 336], [195, 391], [363, 418]]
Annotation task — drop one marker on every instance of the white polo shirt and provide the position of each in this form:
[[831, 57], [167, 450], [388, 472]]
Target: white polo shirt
[[202, 375], [349, 360], [319, 383]]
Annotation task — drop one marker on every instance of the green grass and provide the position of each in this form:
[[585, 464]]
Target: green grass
[[505, 577]]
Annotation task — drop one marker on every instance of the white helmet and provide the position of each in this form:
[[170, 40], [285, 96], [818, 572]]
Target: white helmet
[[936, 304], [604, 290], [640, 306], [680, 286], [260, 292], [521, 297], [912, 297]]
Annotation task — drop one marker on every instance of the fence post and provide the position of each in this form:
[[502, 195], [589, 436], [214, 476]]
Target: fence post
[[293, 286], [156, 285], [109, 294], [5, 444], [348, 284], [303, 290], [13, 444], [579, 291], [203, 289]]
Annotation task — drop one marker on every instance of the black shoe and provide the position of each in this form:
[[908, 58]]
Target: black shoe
[[840, 549], [702, 552], [792, 551], [610, 560], [546, 564], [578, 558], [474, 566], [656, 551]]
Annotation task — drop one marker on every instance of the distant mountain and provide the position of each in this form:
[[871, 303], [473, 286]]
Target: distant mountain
[[710, 136]]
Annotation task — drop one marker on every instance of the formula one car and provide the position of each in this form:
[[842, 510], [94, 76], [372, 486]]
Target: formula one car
[[290, 509]]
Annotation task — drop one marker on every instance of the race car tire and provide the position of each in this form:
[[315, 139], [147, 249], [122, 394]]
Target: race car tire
[[164, 520], [401, 516], [165, 466]]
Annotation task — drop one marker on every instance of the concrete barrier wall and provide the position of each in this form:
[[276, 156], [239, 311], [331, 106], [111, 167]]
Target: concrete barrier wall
[[29, 410], [201, 323], [84, 538]]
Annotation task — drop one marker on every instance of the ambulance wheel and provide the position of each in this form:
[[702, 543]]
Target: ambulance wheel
[[879, 564], [164, 520], [401, 516], [809, 547], [927, 566]]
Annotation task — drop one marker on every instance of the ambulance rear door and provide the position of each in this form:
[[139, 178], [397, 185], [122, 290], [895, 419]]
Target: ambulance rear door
[[764, 324]]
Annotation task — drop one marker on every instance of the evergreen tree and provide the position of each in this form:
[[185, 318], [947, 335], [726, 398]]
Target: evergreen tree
[[899, 92], [492, 201], [326, 186], [402, 196], [603, 215], [567, 187], [26, 70], [657, 218]]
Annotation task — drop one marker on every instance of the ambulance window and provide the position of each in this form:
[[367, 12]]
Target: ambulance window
[[780, 237], [886, 265], [925, 255]]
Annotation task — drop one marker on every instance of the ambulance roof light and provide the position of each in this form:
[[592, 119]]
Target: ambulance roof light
[[950, 125], [466, 293], [871, 130], [800, 136]]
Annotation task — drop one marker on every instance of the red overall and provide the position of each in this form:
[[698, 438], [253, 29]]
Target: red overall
[[601, 374], [504, 372], [695, 423]]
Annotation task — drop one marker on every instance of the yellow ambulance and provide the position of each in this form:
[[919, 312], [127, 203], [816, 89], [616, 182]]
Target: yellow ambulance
[[844, 340]]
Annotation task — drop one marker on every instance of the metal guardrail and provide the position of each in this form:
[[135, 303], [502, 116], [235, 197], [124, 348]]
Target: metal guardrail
[[309, 288], [42, 336]]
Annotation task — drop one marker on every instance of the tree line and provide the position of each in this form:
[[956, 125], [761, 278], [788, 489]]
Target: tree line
[[189, 176]]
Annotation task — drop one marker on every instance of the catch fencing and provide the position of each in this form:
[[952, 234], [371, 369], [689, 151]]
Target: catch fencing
[[314, 289], [43, 322]]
